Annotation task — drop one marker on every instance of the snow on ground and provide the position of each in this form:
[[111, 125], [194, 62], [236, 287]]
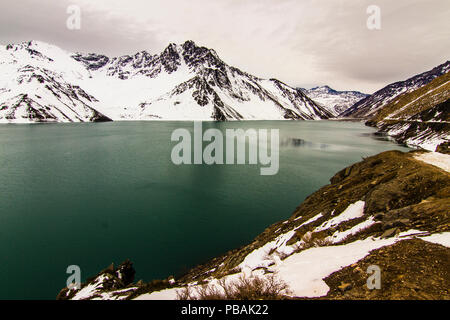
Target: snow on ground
[[261, 257], [309, 221], [304, 271], [90, 289], [439, 238], [340, 236], [168, 294], [436, 159], [355, 210]]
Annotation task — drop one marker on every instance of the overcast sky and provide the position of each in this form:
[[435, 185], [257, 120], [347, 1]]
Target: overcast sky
[[301, 42]]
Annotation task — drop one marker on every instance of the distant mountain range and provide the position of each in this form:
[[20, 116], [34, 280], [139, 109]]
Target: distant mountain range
[[335, 101], [43, 83]]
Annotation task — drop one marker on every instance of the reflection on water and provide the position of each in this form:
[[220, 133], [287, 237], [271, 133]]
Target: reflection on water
[[297, 142], [380, 136]]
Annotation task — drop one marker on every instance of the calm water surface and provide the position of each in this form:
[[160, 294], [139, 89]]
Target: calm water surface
[[95, 193]]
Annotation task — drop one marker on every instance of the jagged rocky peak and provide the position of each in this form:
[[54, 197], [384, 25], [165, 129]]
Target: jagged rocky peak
[[194, 56], [184, 81], [170, 58], [145, 63], [92, 61]]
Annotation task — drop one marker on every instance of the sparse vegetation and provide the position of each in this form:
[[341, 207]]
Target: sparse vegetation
[[267, 287]]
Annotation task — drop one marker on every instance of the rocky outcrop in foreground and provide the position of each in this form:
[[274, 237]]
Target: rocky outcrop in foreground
[[391, 210]]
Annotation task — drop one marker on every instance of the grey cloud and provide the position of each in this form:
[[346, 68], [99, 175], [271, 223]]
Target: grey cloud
[[301, 42]]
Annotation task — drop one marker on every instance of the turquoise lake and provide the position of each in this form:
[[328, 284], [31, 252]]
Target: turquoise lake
[[90, 194]]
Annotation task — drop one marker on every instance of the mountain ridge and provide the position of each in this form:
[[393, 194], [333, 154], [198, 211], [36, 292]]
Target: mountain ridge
[[335, 101], [420, 118], [367, 107], [183, 82]]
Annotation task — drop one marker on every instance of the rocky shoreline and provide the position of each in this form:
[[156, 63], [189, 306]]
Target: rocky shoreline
[[387, 210]]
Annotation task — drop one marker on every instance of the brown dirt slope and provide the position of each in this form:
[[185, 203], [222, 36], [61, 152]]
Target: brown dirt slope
[[410, 269], [400, 192]]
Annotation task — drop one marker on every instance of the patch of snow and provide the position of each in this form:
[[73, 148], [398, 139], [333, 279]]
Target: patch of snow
[[261, 258], [168, 294], [355, 210], [339, 236], [91, 289], [316, 217], [439, 238], [304, 271], [436, 159]]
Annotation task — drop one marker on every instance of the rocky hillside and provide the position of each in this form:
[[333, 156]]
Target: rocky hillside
[[43, 83], [419, 118], [390, 210], [368, 107], [334, 101]]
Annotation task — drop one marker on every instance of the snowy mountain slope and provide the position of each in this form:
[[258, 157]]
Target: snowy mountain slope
[[368, 107], [31, 92], [184, 82], [418, 118], [39, 95], [334, 101]]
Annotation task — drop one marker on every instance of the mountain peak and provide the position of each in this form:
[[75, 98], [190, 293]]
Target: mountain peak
[[189, 43], [325, 89], [184, 81], [335, 101]]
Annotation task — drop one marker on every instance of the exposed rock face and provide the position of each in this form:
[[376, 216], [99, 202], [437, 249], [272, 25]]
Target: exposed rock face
[[443, 148], [110, 279], [382, 199]]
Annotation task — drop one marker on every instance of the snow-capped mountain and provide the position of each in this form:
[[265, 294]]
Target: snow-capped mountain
[[334, 101], [368, 107], [41, 82]]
